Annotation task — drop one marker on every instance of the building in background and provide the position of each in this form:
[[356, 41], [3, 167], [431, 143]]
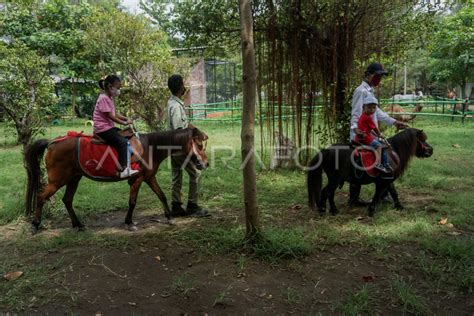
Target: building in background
[[211, 81]]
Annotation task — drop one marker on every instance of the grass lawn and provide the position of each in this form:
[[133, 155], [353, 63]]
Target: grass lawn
[[397, 262]]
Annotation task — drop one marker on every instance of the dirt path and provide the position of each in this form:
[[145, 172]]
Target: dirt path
[[156, 274]]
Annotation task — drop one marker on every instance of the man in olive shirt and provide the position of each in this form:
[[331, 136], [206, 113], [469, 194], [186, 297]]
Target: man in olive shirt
[[177, 119]]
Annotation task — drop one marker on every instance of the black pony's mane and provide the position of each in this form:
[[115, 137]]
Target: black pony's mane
[[404, 144]]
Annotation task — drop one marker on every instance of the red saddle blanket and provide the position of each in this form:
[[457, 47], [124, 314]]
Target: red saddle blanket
[[97, 161], [367, 158]]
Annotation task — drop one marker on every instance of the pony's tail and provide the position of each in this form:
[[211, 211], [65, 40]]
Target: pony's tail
[[315, 181], [33, 155]]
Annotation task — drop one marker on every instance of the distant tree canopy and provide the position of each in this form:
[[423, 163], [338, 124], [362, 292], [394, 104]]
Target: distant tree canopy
[[452, 49], [25, 90], [81, 41], [212, 23], [309, 52], [55, 30], [130, 45]]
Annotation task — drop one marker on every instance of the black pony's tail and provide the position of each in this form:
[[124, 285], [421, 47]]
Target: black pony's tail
[[33, 155], [315, 181]]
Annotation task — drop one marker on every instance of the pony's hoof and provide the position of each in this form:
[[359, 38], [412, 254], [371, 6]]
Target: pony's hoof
[[399, 207], [370, 213], [80, 228], [171, 221], [132, 227], [34, 229], [334, 212]]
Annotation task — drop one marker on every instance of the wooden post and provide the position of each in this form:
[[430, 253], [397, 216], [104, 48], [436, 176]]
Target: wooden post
[[248, 119], [464, 106]]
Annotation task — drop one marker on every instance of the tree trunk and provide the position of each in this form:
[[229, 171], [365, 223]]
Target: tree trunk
[[73, 97], [24, 137], [248, 119]]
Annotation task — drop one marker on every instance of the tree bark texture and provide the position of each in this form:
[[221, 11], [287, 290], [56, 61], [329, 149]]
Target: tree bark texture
[[248, 119]]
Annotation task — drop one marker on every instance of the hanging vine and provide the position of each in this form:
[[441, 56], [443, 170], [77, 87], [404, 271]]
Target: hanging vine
[[309, 49], [311, 54]]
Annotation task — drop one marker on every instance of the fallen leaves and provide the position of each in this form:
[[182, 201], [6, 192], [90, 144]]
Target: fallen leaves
[[158, 258], [456, 146], [454, 233], [13, 275], [368, 278], [443, 221], [241, 275], [297, 207]]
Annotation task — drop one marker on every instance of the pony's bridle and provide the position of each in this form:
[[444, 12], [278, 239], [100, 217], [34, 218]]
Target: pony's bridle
[[424, 147], [197, 155]]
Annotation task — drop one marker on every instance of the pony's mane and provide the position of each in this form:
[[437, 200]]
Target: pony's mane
[[404, 144], [178, 137], [158, 141]]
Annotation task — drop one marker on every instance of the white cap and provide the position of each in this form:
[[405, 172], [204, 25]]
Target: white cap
[[370, 99]]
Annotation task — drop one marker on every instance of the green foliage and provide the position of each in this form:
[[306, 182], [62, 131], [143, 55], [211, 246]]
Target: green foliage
[[278, 244], [129, 45], [56, 30], [161, 14], [17, 22], [359, 303], [214, 23], [409, 242], [85, 41], [273, 245], [453, 48], [26, 91], [121, 42], [17, 295], [412, 303], [292, 295], [454, 262], [182, 285]]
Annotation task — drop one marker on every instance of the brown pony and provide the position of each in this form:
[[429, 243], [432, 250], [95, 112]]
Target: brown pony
[[64, 170], [398, 113]]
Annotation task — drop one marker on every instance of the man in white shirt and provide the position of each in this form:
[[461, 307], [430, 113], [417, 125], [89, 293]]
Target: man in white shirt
[[373, 76]]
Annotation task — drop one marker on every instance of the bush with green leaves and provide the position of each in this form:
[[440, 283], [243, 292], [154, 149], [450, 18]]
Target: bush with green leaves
[[26, 91], [453, 49], [130, 46]]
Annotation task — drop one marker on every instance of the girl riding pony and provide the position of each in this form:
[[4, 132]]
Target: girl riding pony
[[104, 118]]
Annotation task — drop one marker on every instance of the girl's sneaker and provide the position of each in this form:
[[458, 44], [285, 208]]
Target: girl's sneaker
[[127, 173]]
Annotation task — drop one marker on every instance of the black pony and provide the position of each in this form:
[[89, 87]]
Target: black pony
[[339, 164]]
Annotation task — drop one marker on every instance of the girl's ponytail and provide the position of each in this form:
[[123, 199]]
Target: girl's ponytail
[[108, 81], [101, 84]]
